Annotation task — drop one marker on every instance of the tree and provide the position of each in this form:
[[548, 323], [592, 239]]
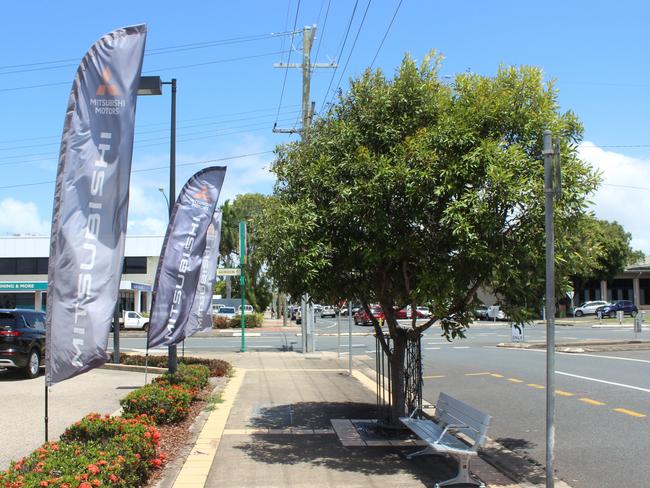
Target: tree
[[246, 207], [611, 250], [413, 192]]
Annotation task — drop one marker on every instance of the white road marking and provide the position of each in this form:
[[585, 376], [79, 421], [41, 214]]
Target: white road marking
[[622, 385], [461, 347], [353, 345], [371, 352], [431, 348]]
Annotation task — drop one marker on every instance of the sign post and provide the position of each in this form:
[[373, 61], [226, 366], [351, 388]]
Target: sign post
[[571, 294], [242, 280]]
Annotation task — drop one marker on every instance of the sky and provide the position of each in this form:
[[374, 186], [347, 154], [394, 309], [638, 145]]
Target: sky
[[230, 94]]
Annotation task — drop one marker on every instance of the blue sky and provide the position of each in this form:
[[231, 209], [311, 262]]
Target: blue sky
[[222, 55]]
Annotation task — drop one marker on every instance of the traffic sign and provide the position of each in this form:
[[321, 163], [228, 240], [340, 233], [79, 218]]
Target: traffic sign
[[228, 271]]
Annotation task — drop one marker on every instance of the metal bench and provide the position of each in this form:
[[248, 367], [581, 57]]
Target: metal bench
[[451, 416]]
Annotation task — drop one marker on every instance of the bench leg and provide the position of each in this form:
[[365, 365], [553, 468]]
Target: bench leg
[[422, 452], [463, 476]]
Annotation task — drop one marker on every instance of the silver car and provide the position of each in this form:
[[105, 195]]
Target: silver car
[[588, 308]]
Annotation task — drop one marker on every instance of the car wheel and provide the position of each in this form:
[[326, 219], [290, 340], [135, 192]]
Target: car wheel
[[634, 313], [33, 364], [612, 314], [356, 322], [579, 313], [145, 327]]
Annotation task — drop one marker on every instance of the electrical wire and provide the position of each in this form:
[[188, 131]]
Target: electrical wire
[[347, 32], [345, 67], [322, 34], [206, 161], [286, 71], [386, 33]]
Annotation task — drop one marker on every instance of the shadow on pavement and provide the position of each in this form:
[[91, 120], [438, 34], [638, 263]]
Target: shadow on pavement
[[516, 461], [325, 450], [15, 375]]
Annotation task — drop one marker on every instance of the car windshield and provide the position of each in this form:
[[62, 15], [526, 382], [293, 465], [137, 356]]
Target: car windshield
[[226, 310]]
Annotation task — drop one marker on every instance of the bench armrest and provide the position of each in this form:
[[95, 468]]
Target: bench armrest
[[449, 427]]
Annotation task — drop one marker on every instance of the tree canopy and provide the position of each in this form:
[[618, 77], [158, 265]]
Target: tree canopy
[[414, 191], [245, 207]]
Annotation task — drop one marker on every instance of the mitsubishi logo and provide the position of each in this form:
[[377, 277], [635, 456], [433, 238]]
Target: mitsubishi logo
[[202, 194], [107, 85]]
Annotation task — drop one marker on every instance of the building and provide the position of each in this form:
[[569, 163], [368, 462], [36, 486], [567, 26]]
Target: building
[[633, 283], [24, 262]]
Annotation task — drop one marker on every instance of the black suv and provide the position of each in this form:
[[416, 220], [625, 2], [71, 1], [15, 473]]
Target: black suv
[[22, 340]]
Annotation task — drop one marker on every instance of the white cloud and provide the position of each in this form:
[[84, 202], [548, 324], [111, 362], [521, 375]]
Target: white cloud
[[18, 217], [624, 195], [146, 227]]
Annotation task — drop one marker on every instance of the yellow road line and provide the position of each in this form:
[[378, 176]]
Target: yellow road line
[[515, 380], [564, 393], [496, 375], [433, 377], [631, 413], [592, 402], [535, 385], [477, 374]]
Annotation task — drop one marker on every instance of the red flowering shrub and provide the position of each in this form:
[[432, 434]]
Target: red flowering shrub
[[164, 404], [96, 451]]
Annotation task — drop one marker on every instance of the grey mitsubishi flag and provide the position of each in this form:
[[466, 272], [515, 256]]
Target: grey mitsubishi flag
[[91, 200], [200, 318], [179, 269]]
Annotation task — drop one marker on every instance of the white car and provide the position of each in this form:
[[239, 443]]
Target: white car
[[227, 312], [424, 311], [247, 309], [328, 311], [588, 308]]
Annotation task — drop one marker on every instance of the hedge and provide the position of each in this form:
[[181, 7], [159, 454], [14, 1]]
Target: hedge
[[218, 367], [166, 404], [251, 321]]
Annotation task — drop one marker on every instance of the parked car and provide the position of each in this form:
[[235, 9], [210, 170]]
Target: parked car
[[481, 312], [426, 313], [227, 312], [609, 310], [328, 311], [344, 310], [133, 320], [362, 318], [22, 340], [405, 313], [247, 309], [589, 308]]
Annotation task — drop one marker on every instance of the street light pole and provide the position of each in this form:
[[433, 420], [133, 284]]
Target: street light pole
[[172, 361]]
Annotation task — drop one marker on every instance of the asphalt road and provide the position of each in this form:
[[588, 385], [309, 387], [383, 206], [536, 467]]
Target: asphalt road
[[603, 403]]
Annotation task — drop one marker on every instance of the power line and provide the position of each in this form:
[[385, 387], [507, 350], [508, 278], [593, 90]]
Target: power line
[[345, 67], [347, 32], [72, 62], [166, 167], [386, 33], [286, 71], [322, 32]]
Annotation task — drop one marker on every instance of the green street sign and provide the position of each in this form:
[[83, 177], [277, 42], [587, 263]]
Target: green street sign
[[228, 271]]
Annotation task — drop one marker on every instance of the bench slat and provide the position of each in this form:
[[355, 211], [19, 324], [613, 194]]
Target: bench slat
[[429, 432]]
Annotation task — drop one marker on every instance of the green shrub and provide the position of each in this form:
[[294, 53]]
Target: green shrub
[[218, 367], [220, 322], [165, 404], [194, 377], [251, 321], [96, 451]]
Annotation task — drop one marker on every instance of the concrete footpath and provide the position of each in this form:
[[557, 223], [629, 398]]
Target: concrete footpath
[[273, 429]]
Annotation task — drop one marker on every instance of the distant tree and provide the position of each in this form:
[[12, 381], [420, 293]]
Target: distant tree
[[245, 207], [411, 191], [609, 246]]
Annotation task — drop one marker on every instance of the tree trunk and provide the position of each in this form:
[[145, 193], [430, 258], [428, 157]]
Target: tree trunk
[[398, 384]]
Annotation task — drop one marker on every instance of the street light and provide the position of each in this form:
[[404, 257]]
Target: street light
[[152, 85], [162, 190]]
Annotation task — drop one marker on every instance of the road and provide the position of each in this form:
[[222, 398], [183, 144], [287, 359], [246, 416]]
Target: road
[[603, 403]]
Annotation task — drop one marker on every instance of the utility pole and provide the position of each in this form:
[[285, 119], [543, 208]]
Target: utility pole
[[308, 35], [551, 190]]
